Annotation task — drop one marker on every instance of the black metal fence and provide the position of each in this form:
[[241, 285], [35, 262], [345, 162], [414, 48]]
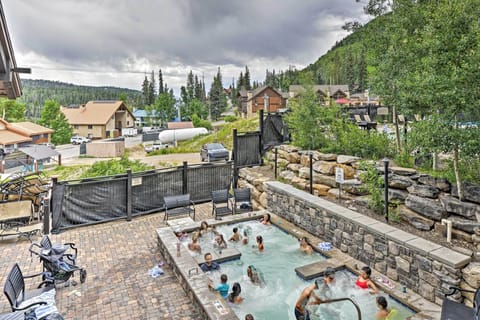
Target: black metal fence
[[89, 201]]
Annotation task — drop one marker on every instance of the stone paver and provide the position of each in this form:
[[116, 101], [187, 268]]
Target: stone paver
[[117, 257]]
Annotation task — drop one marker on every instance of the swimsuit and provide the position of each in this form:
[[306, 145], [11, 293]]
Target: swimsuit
[[362, 284]]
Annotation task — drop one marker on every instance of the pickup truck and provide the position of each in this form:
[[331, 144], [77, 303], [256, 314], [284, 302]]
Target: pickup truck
[[155, 146], [79, 140]]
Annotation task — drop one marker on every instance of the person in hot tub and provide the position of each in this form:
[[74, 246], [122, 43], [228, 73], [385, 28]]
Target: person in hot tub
[[365, 282], [309, 297]]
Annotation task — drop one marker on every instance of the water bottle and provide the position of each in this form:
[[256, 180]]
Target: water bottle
[[178, 248]]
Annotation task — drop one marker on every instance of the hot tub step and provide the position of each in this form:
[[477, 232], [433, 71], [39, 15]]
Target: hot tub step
[[316, 269]]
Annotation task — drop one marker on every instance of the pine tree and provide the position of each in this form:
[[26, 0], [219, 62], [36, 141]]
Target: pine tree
[[218, 100], [160, 82], [190, 86], [151, 89], [247, 84], [145, 91], [241, 82]]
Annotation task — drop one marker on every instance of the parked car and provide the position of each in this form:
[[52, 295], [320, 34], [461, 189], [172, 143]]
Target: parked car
[[156, 146], [213, 152], [79, 140]]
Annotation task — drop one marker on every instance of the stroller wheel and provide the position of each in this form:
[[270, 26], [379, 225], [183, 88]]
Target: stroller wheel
[[83, 275]]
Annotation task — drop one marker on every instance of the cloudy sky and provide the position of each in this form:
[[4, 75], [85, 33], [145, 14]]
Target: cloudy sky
[[115, 42]]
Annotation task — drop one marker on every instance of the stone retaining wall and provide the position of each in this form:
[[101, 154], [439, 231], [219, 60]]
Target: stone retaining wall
[[422, 266]]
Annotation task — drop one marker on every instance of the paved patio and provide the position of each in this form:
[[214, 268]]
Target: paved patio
[[117, 256]]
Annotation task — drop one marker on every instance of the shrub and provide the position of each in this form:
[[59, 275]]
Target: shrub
[[373, 183], [230, 118]]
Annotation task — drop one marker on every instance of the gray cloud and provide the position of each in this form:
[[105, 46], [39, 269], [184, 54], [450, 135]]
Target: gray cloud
[[176, 35]]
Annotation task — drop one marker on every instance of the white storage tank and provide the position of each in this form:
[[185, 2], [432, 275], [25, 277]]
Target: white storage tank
[[172, 135]]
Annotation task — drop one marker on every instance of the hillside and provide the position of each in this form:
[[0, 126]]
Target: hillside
[[347, 61], [36, 92]]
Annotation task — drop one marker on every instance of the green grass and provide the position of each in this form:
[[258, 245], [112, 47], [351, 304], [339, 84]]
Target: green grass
[[67, 172]]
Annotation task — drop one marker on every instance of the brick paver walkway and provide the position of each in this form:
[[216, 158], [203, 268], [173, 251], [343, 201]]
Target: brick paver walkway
[[117, 256]]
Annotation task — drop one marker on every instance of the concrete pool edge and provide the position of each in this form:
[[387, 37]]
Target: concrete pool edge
[[196, 285]]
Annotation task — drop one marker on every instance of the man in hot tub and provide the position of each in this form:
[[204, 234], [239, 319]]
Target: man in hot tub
[[308, 296]]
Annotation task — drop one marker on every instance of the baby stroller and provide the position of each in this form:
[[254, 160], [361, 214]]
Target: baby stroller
[[59, 260]]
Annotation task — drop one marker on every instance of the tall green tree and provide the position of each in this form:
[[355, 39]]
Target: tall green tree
[[12, 110], [246, 79], [160, 82], [52, 117], [163, 108], [218, 99]]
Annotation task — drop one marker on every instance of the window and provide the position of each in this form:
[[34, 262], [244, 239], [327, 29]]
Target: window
[[75, 126], [128, 123], [90, 126]]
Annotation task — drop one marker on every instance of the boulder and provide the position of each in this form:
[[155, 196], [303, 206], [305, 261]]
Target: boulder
[[354, 186], [348, 171], [305, 160], [424, 191], [463, 224], [471, 274], [295, 167], [322, 190], [326, 180], [399, 182], [258, 182], [299, 183], [304, 173], [357, 164], [343, 159], [471, 192], [287, 175], [334, 193], [465, 209], [415, 219], [361, 201], [440, 183], [293, 157], [263, 200], [327, 156], [397, 195], [456, 233], [402, 171], [287, 148], [427, 207], [282, 163], [324, 167]]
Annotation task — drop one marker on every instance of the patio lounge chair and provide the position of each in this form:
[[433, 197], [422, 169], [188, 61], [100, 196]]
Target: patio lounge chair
[[221, 203], [15, 291], [452, 310], [242, 200]]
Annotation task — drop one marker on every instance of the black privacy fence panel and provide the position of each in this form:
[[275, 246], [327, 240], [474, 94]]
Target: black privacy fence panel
[[247, 150], [148, 189], [202, 180], [275, 131], [84, 202], [89, 202]]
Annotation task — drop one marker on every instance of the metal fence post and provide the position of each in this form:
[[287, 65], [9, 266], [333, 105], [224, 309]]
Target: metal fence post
[[385, 163], [47, 207], [129, 194], [276, 164], [310, 157], [235, 158], [262, 132], [184, 177]]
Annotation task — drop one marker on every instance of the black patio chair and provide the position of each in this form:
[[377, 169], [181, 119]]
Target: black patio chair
[[221, 203], [242, 201], [15, 291], [452, 310]]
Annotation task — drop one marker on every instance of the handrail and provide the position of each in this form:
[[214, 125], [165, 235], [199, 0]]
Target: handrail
[[347, 299]]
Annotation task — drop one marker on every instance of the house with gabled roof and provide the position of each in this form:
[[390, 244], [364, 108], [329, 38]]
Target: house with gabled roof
[[265, 98], [99, 119], [14, 135], [325, 92]]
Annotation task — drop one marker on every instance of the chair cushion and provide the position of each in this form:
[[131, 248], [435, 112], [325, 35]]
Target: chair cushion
[[45, 296]]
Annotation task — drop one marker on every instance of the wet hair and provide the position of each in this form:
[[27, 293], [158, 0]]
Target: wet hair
[[382, 302], [304, 239], [235, 230], [249, 317], [268, 216], [259, 239], [236, 289], [206, 254], [221, 238], [203, 223], [367, 270], [245, 233], [223, 278]]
